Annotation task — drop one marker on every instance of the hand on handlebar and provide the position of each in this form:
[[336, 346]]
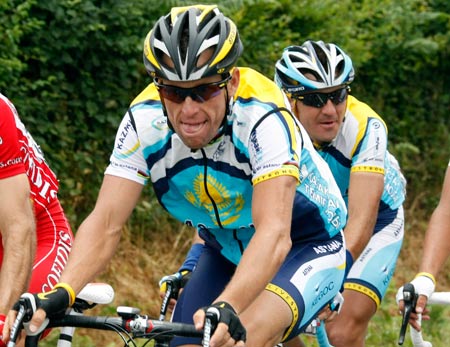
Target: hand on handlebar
[[423, 286], [178, 280], [220, 323], [170, 287], [32, 310]]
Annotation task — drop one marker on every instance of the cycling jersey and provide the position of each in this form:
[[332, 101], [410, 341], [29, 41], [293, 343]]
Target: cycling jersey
[[211, 188], [361, 146], [19, 154]]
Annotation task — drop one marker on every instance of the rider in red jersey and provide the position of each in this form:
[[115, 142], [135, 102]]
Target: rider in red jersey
[[35, 235]]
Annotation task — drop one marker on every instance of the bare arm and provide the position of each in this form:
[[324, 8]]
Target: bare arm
[[98, 236], [437, 245], [272, 214], [363, 201], [435, 253], [18, 229]]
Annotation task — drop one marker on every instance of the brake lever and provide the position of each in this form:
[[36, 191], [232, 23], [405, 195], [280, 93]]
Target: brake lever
[[211, 322], [173, 285], [18, 323], [165, 303], [410, 300]]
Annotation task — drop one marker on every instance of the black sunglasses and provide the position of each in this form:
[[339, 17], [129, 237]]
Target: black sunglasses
[[200, 93], [319, 100]]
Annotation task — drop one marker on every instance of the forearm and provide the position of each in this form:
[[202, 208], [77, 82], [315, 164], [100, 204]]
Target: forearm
[[436, 246], [18, 229], [363, 202], [90, 253], [19, 246], [98, 236]]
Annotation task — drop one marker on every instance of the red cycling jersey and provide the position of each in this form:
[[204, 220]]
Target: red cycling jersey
[[19, 154]]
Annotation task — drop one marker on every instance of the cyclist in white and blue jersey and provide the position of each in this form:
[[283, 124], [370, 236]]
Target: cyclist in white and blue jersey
[[224, 154], [352, 138]]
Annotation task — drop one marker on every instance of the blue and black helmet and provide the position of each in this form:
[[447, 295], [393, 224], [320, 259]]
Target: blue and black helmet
[[313, 66]]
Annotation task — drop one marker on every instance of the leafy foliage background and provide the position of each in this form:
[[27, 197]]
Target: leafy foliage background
[[72, 67]]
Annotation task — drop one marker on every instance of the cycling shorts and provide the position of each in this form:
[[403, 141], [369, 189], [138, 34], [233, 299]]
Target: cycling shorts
[[54, 241], [307, 281], [374, 268]]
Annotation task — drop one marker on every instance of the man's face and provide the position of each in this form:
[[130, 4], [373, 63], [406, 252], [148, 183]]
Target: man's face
[[321, 123], [200, 109]]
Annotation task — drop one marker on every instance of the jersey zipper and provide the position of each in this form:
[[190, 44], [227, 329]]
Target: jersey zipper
[[205, 183], [216, 210]]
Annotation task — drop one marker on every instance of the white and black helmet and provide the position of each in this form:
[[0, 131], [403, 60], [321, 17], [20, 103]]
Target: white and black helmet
[[313, 66], [172, 48]]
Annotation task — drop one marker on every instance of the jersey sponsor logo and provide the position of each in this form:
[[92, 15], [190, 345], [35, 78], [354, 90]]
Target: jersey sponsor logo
[[47, 190], [317, 191], [307, 270], [322, 292], [61, 256], [388, 276], [365, 254], [160, 123], [256, 146], [123, 135], [220, 151], [10, 162], [215, 194], [394, 186], [332, 247]]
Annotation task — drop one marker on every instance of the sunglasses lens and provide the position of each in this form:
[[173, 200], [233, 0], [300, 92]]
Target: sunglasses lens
[[338, 96], [315, 100], [173, 94], [205, 92], [319, 100], [200, 93]]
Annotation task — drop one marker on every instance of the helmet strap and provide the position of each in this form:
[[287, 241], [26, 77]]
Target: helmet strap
[[165, 115], [224, 125]]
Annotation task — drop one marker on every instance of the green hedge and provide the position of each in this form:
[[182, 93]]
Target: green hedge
[[72, 67]]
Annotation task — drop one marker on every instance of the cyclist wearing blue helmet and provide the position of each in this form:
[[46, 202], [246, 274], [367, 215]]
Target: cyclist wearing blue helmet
[[352, 138]]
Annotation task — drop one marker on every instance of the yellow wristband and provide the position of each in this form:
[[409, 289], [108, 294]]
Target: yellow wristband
[[427, 274], [69, 290]]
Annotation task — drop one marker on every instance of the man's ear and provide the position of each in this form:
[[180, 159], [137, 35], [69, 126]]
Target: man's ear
[[234, 82], [294, 108]]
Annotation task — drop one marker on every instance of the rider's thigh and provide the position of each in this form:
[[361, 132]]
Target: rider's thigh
[[349, 327], [357, 307]]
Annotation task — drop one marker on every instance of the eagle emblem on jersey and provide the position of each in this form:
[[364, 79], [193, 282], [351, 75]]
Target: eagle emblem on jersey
[[215, 193]]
